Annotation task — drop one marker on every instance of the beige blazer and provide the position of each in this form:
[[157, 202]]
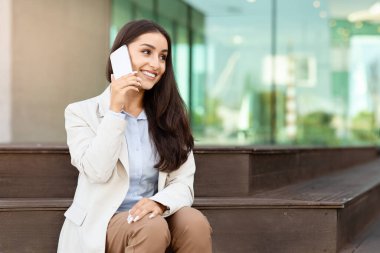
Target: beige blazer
[[98, 150]]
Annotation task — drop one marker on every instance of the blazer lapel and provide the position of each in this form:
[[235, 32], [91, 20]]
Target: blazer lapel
[[104, 101], [123, 157], [161, 180]]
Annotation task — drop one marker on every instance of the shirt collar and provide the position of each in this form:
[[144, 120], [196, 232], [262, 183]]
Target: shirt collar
[[141, 116]]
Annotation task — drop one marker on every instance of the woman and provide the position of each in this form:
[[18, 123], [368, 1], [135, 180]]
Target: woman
[[133, 148]]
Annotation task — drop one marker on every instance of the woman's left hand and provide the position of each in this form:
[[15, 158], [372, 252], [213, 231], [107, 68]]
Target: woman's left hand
[[143, 207]]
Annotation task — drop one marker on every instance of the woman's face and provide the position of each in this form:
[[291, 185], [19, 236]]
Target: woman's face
[[148, 54]]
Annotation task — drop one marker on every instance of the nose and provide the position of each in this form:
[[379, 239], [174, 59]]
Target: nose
[[155, 62]]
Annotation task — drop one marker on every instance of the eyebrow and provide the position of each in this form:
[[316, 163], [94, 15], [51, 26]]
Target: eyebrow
[[153, 47]]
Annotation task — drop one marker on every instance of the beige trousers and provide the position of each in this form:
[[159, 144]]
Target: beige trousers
[[186, 231]]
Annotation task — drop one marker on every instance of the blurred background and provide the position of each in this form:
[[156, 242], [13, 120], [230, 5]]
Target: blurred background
[[252, 72]]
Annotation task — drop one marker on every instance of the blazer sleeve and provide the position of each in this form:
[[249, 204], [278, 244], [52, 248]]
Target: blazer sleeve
[[179, 190], [93, 152]]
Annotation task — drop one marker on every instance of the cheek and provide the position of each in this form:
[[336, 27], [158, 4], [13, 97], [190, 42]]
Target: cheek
[[135, 60]]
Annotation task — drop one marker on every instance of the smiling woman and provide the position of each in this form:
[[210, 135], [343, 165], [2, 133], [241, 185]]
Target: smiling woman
[[133, 148]]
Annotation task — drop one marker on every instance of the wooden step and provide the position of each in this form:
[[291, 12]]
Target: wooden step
[[45, 171], [240, 225], [31, 225], [242, 171], [319, 215], [357, 190], [367, 242], [255, 200]]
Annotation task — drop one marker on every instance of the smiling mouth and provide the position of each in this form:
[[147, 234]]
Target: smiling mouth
[[149, 74]]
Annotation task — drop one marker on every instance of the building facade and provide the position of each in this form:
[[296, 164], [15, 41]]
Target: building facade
[[252, 72]]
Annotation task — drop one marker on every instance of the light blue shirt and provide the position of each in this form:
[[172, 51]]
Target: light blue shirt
[[143, 177]]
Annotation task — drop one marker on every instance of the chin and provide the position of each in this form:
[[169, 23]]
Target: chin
[[147, 87]]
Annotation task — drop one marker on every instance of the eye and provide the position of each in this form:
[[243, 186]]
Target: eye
[[146, 51], [163, 57]]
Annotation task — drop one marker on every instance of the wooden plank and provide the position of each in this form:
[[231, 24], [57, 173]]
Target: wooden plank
[[45, 171], [222, 175], [243, 230], [338, 187], [37, 175], [268, 170], [366, 242], [357, 215], [273, 230], [33, 204], [26, 231]]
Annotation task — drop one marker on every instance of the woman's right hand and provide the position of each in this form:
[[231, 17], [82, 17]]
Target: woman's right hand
[[120, 87]]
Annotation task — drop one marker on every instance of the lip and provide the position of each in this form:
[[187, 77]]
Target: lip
[[151, 72]]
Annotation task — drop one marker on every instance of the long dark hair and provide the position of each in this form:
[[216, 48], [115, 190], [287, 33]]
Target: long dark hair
[[169, 126]]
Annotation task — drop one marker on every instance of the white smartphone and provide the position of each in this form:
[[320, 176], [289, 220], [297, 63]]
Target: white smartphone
[[121, 62]]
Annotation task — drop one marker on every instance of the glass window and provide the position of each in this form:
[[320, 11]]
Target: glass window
[[122, 12], [302, 75], [181, 53], [144, 9], [232, 107], [330, 51], [250, 71]]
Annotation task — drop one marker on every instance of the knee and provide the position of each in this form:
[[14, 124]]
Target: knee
[[194, 224], [156, 228]]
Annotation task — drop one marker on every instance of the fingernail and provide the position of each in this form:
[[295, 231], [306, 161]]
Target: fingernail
[[136, 218], [151, 216], [130, 219]]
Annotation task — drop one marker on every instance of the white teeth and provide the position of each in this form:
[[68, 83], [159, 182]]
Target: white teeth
[[149, 74]]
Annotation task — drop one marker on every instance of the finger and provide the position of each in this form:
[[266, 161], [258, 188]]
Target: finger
[[130, 218], [133, 73], [129, 81], [130, 78], [153, 214], [131, 84], [142, 208], [126, 86], [112, 78], [140, 215], [133, 88], [137, 206]]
